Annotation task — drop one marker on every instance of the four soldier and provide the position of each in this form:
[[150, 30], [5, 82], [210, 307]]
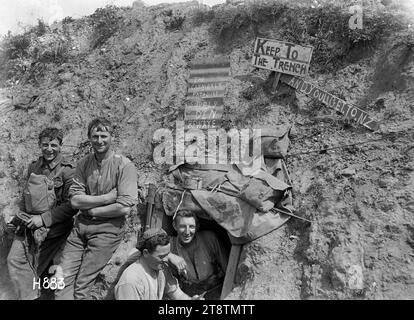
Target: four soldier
[[102, 190]]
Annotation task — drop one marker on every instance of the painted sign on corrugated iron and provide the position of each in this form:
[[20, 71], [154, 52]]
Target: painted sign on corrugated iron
[[205, 95]]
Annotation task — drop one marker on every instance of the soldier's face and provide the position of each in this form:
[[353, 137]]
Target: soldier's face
[[101, 139], [186, 229], [50, 148], [157, 260]]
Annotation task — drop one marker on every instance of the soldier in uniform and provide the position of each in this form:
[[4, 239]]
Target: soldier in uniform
[[205, 258], [26, 264], [104, 189]]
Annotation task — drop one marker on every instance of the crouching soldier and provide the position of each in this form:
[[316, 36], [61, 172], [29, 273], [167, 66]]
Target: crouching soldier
[[45, 218], [149, 278]]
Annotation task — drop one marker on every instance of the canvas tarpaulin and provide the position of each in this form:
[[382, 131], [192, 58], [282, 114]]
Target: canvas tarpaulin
[[238, 202]]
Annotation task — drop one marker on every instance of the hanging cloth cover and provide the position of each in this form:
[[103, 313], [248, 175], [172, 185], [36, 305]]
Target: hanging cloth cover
[[237, 200]]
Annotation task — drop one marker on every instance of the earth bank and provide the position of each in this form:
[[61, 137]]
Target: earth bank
[[131, 65]]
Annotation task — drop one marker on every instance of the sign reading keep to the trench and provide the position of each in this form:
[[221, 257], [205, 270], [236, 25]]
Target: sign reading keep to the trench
[[283, 57]]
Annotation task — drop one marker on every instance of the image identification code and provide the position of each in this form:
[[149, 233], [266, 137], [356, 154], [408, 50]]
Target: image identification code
[[208, 309], [52, 283], [215, 309]]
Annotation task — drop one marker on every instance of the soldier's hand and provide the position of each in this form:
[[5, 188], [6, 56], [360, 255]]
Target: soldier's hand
[[56, 271], [35, 222], [91, 212], [111, 196], [178, 262], [10, 227]]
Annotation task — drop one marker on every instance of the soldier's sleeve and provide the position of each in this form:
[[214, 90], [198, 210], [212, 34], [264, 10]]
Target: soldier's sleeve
[[171, 282], [220, 252], [64, 211], [21, 204], [78, 186], [127, 185]]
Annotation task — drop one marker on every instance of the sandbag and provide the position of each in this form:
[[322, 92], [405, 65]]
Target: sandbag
[[262, 191], [275, 141]]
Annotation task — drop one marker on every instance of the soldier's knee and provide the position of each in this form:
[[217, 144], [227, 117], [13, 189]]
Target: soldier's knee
[[11, 259], [15, 258]]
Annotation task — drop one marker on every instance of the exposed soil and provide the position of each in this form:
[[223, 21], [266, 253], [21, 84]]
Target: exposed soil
[[360, 198]]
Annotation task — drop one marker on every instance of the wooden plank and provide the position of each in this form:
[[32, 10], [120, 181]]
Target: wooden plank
[[216, 101], [276, 81], [294, 68], [203, 80], [206, 65], [201, 72], [231, 270], [203, 112], [283, 49], [207, 94], [150, 205], [282, 56], [207, 84], [203, 124], [207, 88], [210, 75], [348, 110]]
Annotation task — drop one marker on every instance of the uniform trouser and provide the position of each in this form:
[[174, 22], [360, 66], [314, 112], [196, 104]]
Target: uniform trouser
[[22, 267], [88, 249]]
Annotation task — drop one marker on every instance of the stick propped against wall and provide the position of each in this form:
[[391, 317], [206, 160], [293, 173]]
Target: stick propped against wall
[[231, 270]]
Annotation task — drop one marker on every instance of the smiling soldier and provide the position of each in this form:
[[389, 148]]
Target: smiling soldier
[[40, 235], [149, 277], [104, 189], [206, 259]]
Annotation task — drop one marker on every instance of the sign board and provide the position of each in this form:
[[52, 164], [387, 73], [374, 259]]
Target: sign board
[[348, 110], [202, 124], [205, 95], [203, 112], [283, 57], [203, 117]]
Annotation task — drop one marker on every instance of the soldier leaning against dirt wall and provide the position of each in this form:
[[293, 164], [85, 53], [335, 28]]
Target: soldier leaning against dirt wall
[[40, 234]]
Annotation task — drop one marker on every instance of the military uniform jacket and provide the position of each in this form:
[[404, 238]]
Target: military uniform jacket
[[59, 219]]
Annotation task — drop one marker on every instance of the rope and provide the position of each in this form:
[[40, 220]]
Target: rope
[[386, 136], [277, 210], [26, 248], [349, 145], [179, 204]]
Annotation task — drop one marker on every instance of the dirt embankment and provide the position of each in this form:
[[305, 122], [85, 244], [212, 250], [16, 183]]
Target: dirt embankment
[[360, 244]]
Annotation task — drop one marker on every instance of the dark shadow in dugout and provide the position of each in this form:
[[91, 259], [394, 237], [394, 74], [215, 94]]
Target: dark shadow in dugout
[[204, 224]]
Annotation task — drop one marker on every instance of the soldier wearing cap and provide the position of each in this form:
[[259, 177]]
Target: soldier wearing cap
[[24, 264], [149, 278]]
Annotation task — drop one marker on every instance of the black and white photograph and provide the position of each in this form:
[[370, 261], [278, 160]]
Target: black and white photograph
[[222, 151]]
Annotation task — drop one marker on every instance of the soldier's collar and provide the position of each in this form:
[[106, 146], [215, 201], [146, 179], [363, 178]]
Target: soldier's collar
[[52, 164], [108, 155]]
